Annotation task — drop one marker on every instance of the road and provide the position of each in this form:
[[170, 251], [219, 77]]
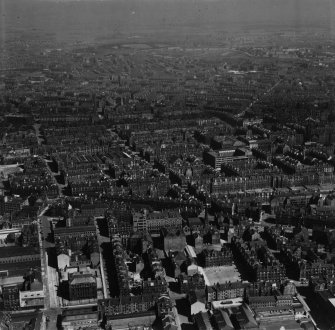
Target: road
[[43, 264], [49, 274], [52, 276], [38, 133], [260, 98]]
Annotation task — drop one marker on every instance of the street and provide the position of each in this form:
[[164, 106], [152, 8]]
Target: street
[[49, 274]]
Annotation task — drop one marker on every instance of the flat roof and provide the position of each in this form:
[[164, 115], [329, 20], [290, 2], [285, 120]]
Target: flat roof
[[74, 229], [16, 251], [16, 268], [297, 188], [227, 303], [11, 280]]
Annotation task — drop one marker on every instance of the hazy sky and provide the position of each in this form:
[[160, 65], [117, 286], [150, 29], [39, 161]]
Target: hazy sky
[[130, 15]]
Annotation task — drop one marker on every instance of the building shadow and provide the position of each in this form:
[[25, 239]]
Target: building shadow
[[107, 254], [59, 322], [157, 325], [52, 257], [188, 326], [63, 290], [183, 307], [174, 286], [103, 227], [50, 238]]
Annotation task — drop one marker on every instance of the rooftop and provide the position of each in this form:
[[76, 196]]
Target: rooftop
[[16, 251]]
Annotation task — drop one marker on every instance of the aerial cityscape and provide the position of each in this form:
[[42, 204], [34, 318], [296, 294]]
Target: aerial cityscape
[[167, 164]]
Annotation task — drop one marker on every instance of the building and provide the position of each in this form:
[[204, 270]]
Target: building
[[11, 297], [164, 305], [216, 159], [244, 317], [79, 318], [262, 301], [190, 283], [169, 322], [126, 311], [174, 240], [10, 205], [155, 287], [155, 221], [18, 261], [34, 297], [229, 290], [82, 286], [80, 232], [284, 300], [213, 258], [5, 320], [197, 301], [63, 256], [94, 210], [202, 321], [316, 269], [221, 320], [210, 293]]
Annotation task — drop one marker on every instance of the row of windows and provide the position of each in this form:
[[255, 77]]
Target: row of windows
[[31, 295], [129, 308], [18, 259], [75, 235]]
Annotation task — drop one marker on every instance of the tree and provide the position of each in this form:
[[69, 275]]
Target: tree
[[10, 238]]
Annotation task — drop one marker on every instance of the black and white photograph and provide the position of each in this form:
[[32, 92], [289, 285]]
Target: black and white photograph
[[167, 164]]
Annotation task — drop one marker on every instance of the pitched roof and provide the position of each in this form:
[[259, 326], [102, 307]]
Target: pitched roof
[[202, 321], [222, 319]]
